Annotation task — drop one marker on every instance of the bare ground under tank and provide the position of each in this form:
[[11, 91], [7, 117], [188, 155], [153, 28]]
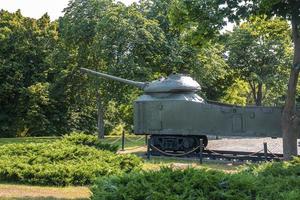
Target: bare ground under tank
[[247, 144]]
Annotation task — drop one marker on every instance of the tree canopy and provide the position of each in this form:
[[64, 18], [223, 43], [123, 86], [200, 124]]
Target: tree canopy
[[43, 91], [26, 74], [259, 51]]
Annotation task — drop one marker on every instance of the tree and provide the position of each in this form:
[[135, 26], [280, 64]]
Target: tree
[[121, 42], [78, 30], [130, 46], [290, 122], [25, 73], [207, 17], [259, 51], [213, 73], [41, 93], [177, 56], [237, 93], [199, 22]]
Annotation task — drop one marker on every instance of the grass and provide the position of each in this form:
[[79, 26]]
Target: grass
[[13, 191], [22, 140], [130, 141], [156, 163]]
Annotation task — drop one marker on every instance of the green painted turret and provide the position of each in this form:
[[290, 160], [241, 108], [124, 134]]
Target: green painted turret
[[176, 117], [173, 83]]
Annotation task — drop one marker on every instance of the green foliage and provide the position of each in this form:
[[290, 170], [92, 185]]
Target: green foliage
[[237, 93], [26, 140], [38, 95], [259, 52], [198, 21], [280, 169], [285, 9], [88, 140], [25, 74], [175, 184], [61, 162], [118, 117], [262, 182], [213, 74], [118, 130], [278, 180], [176, 56]]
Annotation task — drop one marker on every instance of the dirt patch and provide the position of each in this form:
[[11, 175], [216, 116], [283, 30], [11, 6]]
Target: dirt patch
[[136, 150], [22, 191]]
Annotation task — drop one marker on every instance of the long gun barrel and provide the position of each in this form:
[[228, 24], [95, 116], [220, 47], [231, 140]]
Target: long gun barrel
[[130, 82]]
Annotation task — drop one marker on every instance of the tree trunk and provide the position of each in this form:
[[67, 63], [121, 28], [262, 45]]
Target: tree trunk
[[100, 120], [259, 95], [253, 90], [289, 120]]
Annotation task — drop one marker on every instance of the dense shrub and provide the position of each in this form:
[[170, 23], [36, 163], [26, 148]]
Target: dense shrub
[[89, 140], [276, 181], [175, 184], [61, 163], [278, 169]]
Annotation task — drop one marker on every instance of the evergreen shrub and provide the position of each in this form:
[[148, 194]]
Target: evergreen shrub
[[62, 162], [267, 181], [89, 140]]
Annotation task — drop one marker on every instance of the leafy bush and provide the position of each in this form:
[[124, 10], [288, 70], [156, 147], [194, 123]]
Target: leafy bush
[[89, 140], [61, 163], [272, 181]]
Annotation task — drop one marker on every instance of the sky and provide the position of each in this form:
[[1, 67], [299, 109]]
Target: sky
[[36, 8]]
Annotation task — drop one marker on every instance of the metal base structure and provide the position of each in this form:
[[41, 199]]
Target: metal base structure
[[175, 143], [224, 156], [242, 155], [174, 146]]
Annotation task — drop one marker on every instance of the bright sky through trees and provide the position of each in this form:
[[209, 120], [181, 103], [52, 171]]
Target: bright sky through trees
[[35, 9]]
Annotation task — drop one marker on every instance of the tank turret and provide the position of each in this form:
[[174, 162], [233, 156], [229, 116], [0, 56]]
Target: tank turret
[[176, 117], [174, 83]]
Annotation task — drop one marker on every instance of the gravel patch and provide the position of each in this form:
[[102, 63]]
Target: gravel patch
[[247, 144]]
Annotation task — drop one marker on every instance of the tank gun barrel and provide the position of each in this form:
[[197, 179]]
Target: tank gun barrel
[[99, 74]]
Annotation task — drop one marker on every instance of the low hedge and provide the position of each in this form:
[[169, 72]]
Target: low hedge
[[89, 140], [278, 181], [61, 163], [171, 184]]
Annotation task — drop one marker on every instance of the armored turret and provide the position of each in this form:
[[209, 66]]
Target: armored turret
[[176, 118], [172, 84]]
